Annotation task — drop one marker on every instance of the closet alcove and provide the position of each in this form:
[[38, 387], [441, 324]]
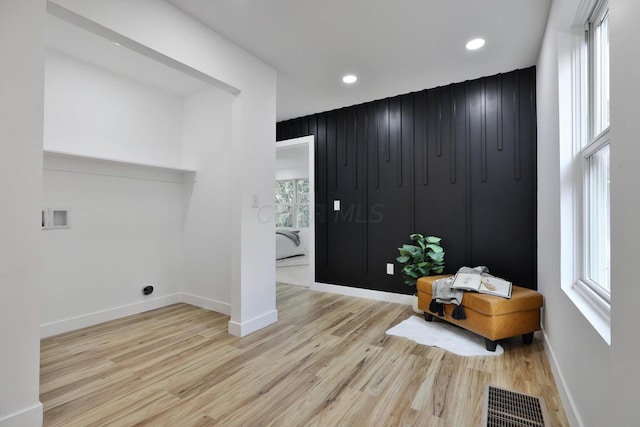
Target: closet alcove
[[137, 146]]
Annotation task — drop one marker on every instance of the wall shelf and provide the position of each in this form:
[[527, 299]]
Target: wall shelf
[[85, 164]]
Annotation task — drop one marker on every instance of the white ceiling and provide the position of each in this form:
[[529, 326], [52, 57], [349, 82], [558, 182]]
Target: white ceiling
[[394, 47]]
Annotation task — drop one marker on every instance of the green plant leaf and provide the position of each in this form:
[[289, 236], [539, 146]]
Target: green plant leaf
[[433, 239], [403, 259], [435, 248]]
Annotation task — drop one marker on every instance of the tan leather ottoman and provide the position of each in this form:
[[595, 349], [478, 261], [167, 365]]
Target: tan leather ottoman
[[492, 317]]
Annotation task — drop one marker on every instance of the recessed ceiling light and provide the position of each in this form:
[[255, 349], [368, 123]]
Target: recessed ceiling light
[[475, 44], [349, 79]]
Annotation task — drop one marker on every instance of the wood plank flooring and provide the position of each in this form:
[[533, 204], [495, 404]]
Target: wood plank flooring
[[327, 362]]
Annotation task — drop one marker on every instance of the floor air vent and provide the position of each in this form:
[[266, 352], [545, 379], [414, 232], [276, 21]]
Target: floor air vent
[[505, 408]]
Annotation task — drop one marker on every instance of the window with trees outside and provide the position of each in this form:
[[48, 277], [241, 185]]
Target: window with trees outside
[[593, 150], [292, 203]]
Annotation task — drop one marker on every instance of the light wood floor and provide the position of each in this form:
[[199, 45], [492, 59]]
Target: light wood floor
[[327, 362]]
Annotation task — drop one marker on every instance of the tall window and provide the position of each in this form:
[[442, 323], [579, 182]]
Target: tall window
[[292, 203], [593, 154]]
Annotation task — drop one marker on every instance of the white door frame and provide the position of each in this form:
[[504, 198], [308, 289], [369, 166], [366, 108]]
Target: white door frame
[[310, 142]]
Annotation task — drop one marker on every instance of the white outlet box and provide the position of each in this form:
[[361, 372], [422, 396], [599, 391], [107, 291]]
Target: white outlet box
[[336, 205], [390, 268], [55, 218]]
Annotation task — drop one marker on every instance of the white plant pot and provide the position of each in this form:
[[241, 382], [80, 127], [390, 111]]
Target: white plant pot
[[415, 306]]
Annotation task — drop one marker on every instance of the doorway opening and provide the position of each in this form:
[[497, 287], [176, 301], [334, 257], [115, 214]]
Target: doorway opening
[[295, 211]]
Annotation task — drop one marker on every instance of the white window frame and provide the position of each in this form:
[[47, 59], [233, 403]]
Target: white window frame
[[590, 298], [295, 205]]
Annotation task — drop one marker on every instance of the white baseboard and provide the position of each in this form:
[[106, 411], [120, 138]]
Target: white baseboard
[[29, 417], [567, 401], [90, 319], [235, 328], [257, 323], [363, 293], [206, 303]]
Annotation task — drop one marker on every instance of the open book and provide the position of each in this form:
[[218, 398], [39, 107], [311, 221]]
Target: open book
[[483, 284]]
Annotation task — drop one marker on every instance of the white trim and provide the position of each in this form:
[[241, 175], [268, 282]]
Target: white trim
[[572, 84], [363, 293], [583, 12], [90, 319], [28, 417], [250, 326], [206, 303], [592, 307], [568, 403], [60, 161], [76, 19], [294, 142]]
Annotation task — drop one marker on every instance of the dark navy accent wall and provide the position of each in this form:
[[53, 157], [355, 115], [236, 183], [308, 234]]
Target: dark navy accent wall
[[457, 161]]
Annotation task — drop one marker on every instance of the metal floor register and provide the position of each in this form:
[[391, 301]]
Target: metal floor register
[[505, 408]]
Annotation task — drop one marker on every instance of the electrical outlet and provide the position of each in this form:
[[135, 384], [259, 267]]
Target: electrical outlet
[[336, 205], [390, 268]]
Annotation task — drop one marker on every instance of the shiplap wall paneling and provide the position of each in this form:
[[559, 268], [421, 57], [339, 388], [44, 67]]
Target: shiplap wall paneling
[[440, 180], [502, 184], [347, 226], [455, 161], [389, 188]]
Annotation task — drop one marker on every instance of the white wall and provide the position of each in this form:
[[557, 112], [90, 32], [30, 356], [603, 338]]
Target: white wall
[[21, 105], [599, 383], [207, 202], [625, 232], [89, 110], [126, 229], [292, 162], [125, 233]]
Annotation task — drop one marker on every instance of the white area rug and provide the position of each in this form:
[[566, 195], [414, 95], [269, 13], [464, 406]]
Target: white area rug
[[443, 335], [293, 275]]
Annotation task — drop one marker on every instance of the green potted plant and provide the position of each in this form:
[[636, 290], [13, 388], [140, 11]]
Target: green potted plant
[[422, 258]]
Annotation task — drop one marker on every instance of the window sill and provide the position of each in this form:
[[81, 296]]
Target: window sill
[[593, 308]]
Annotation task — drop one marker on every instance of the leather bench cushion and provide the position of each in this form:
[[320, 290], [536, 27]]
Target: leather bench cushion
[[522, 299]]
